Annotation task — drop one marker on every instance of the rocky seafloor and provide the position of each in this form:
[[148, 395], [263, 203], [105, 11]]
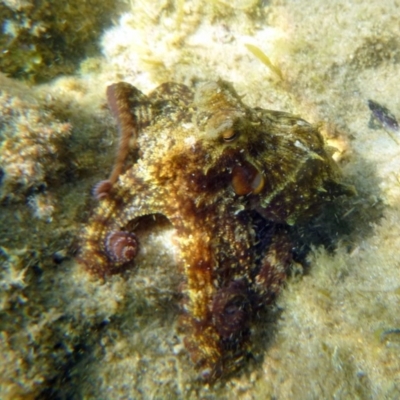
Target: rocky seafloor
[[334, 331]]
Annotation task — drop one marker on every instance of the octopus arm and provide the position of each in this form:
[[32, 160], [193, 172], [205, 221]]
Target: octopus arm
[[218, 262], [108, 244]]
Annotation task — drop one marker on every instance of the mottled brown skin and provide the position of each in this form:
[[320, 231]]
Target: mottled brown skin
[[212, 166]]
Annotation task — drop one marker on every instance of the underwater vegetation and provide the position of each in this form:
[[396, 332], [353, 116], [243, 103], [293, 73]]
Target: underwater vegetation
[[30, 142], [41, 40], [38, 203]]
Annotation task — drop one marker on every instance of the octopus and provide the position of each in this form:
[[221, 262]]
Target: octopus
[[231, 180]]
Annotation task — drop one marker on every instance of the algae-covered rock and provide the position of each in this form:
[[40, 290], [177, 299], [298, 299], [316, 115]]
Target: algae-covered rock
[[42, 197], [40, 40], [30, 141]]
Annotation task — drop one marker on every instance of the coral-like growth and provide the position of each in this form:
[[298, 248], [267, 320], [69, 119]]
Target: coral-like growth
[[30, 142]]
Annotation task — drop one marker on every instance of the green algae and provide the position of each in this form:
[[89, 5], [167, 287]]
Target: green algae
[[258, 53]]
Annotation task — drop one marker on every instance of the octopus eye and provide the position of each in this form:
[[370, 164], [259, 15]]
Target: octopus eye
[[246, 179], [121, 247], [230, 135]]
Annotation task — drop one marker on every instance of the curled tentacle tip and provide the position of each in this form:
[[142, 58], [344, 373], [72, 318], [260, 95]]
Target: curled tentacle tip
[[121, 247], [102, 189]]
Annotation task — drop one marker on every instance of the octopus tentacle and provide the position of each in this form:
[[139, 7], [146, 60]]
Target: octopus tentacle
[[171, 92], [273, 268], [107, 247], [132, 110], [216, 308], [121, 246]]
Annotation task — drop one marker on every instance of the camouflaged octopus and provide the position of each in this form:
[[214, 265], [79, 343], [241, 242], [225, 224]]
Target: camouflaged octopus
[[229, 178]]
